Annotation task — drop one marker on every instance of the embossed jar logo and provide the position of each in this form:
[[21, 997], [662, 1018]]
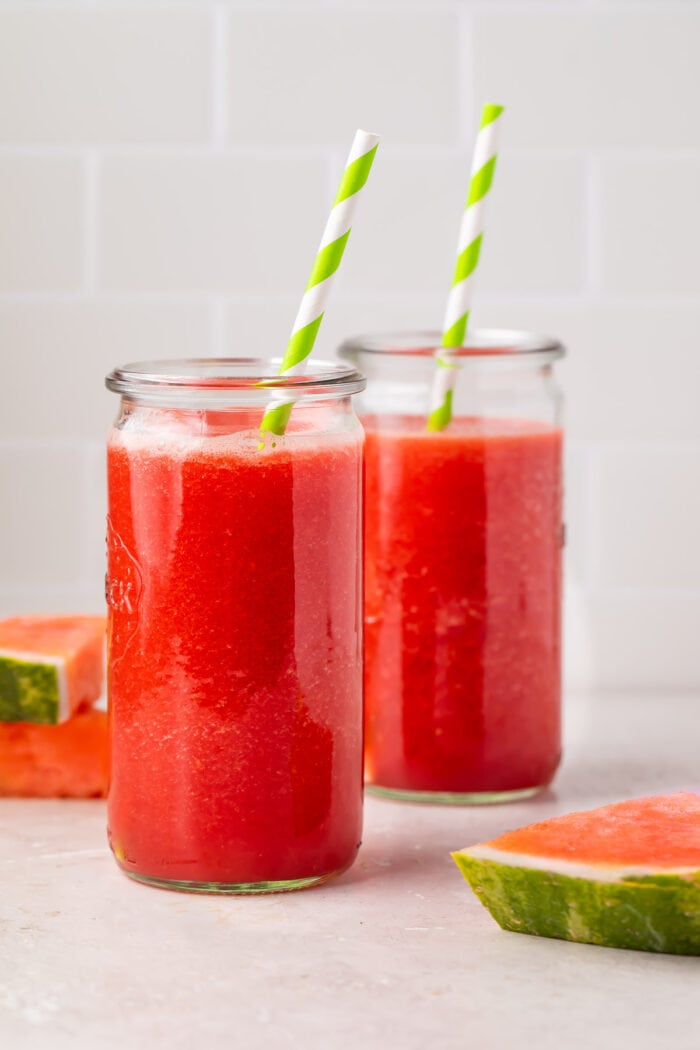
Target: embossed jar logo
[[123, 587]]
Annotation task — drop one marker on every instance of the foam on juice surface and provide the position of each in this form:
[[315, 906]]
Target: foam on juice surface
[[178, 436]]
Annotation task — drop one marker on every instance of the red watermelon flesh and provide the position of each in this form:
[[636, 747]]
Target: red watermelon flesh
[[68, 760], [658, 832]]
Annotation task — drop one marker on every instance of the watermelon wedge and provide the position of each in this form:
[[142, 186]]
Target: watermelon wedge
[[623, 876], [50, 666], [64, 761]]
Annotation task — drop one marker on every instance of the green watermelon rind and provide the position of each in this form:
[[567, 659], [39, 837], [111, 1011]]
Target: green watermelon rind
[[657, 912], [30, 690]]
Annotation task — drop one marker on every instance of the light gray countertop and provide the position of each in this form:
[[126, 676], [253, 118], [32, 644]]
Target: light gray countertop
[[395, 953]]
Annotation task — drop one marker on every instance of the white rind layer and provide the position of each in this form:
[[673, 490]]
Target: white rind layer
[[54, 661], [574, 869]]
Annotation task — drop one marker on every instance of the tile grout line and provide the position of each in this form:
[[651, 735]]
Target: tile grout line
[[201, 148], [184, 149]]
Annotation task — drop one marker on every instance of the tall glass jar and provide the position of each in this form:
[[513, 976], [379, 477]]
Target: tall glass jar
[[463, 535], [235, 626]]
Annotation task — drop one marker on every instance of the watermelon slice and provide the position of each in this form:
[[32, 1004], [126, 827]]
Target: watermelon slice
[[50, 666], [623, 876], [64, 761]]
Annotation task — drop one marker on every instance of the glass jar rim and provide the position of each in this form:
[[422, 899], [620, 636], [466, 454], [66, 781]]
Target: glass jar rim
[[481, 343], [217, 378]]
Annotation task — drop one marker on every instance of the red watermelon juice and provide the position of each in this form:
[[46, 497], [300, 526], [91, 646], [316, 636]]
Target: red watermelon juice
[[462, 608], [234, 650]]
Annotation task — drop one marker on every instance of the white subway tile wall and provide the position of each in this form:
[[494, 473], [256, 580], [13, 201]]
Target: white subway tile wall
[[302, 77], [42, 222], [71, 77], [198, 224], [165, 170], [591, 76], [650, 212]]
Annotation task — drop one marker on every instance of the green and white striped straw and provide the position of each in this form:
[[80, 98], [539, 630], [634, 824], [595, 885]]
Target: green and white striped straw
[[327, 261], [461, 295]]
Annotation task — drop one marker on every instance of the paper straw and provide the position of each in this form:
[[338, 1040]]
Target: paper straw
[[461, 295], [327, 261]]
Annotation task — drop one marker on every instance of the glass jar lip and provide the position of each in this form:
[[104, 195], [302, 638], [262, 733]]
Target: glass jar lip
[[481, 343], [217, 377]]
